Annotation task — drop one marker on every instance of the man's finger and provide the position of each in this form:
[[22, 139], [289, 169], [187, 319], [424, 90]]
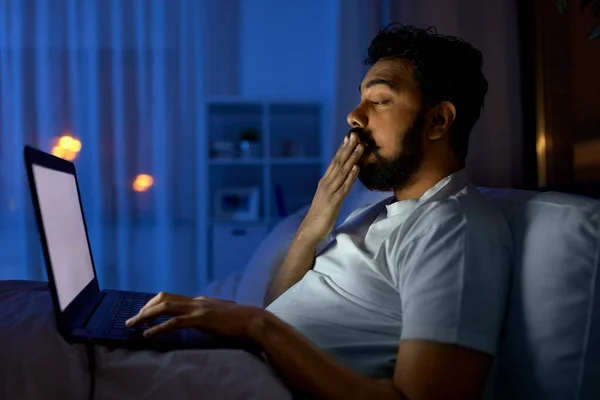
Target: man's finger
[[341, 156], [339, 150], [344, 171], [162, 296], [173, 324], [350, 179], [167, 307]]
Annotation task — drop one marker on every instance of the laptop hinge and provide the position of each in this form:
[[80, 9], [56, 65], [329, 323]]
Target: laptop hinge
[[87, 313]]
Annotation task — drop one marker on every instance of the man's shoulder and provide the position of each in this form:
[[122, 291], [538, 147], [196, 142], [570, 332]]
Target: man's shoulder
[[466, 210], [466, 203]]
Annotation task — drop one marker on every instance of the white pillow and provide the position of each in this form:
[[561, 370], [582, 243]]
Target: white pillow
[[224, 289], [266, 259], [551, 346]]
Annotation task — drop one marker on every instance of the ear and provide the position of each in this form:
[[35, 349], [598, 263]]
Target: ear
[[442, 117]]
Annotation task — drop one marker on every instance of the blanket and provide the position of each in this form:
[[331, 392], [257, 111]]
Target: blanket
[[37, 363]]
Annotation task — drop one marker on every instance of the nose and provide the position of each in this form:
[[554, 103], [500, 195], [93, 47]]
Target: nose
[[356, 118]]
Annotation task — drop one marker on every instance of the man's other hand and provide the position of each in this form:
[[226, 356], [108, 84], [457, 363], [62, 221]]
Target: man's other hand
[[333, 188], [213, 316]]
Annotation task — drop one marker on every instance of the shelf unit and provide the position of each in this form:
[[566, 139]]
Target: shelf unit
[[286, 164]]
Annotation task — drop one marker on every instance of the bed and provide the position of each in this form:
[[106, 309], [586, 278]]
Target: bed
[[35, 362], [550, 347]]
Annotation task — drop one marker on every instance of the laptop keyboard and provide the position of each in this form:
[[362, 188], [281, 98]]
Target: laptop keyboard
[[126, 306]]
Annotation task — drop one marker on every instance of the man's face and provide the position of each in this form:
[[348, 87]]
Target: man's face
[[389, 122]]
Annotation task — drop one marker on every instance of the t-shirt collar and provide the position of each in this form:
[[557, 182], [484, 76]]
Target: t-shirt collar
[[456, 181]]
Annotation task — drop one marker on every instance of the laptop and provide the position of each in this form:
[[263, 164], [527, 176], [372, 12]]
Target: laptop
[[84, 312]]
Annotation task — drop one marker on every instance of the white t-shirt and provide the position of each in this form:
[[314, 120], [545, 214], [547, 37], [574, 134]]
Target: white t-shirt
[[434, 268]]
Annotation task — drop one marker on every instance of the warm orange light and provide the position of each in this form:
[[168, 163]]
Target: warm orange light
[[69, 155], [66, 142], [67, 147], [58, 151], [142, 182]]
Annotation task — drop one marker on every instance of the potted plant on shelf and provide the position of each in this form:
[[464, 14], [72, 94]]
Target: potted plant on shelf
[[249, 143]]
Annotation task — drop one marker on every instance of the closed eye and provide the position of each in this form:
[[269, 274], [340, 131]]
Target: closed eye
[[380, 102]]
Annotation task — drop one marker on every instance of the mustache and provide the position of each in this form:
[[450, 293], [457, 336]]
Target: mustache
[[364, 137]]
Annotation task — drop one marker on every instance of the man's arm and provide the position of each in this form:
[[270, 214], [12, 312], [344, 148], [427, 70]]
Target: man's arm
[[299, 259], [320, 219], [424, 369], [309, 370]]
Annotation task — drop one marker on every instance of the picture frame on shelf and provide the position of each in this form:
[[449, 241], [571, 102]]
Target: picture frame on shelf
[[238, 204]]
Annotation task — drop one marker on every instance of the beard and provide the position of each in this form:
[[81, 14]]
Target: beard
[[392, 174]]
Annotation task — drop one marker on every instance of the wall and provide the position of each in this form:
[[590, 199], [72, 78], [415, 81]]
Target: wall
[[287, 48]]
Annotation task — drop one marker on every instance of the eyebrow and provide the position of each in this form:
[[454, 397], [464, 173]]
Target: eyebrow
[[375, 82]]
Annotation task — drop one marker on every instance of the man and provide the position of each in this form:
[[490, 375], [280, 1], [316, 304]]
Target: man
[[408, 298]]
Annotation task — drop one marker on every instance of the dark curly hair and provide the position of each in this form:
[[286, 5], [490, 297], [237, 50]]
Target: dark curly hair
[[446, 68]]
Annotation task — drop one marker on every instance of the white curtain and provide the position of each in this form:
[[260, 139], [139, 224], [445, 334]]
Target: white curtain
[[123, 79]]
